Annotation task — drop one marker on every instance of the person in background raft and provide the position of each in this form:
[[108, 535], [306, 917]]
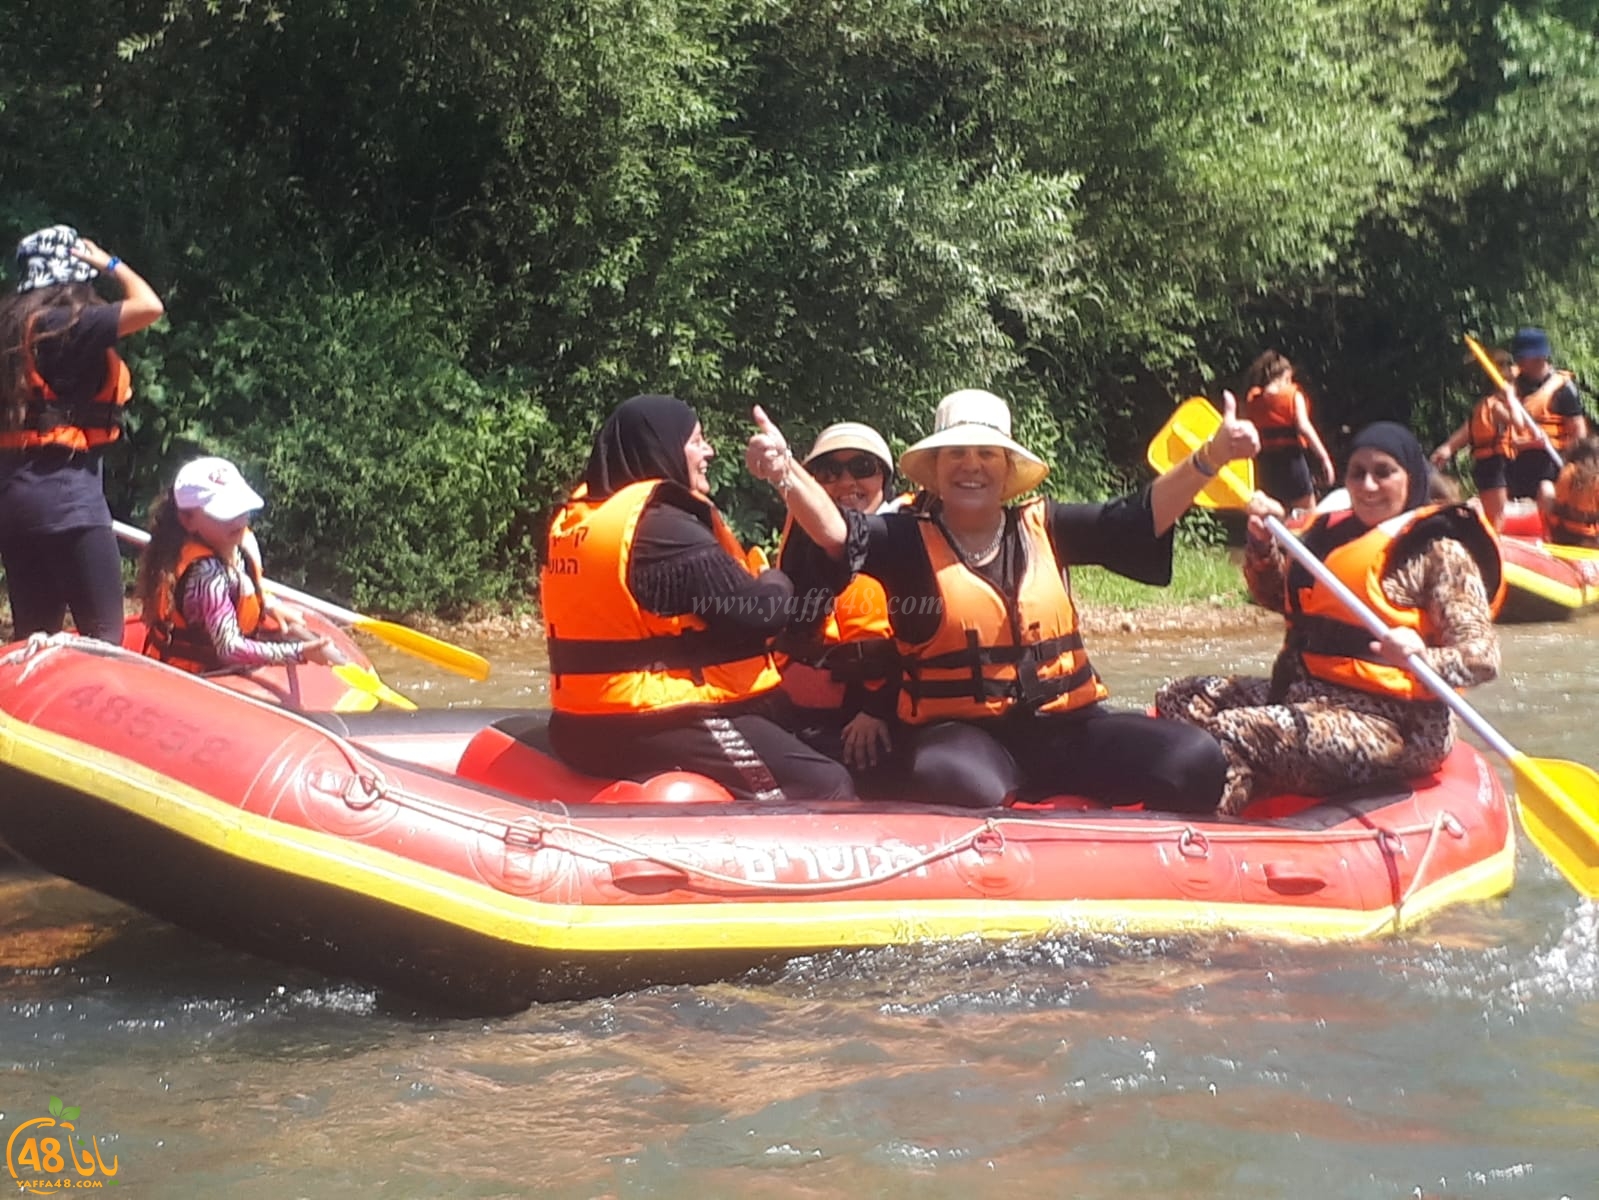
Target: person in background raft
[[1489, 431], [1279, 410], [1571, 510], [999, 698], [660, 627], [1341, 710], [63, 395], [199, 581], [1551, 400], [842, 670]]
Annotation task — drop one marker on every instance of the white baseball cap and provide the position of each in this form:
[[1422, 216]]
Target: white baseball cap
[[214, 486]]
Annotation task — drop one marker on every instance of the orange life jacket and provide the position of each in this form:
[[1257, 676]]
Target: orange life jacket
[[173, 640], [84, 425], [609, 655], [987, 656], [1490, 430], [1574, 518], [1272, 413], [1561, 430], [1331, 642], [855, 646]]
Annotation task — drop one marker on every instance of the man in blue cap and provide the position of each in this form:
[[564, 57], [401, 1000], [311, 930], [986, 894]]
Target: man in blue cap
[[1552, 401]]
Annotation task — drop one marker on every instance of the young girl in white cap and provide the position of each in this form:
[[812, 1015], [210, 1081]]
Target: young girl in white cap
[[200, 579], [63, 393]]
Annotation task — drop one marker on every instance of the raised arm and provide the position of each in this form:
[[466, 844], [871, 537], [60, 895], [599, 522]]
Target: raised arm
[[1173, 493], [141, 307], [768, 457]]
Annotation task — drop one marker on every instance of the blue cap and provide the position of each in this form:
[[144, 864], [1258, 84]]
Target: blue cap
[[1529, 343]]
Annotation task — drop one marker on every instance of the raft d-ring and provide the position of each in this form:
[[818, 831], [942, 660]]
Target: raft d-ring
[[1193, 844], [1391, 843], [363, 792], [524, 839], [1451, 826], [989, 840]]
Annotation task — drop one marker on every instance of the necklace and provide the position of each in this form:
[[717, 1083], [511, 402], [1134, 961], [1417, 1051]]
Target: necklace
[[972, 557]]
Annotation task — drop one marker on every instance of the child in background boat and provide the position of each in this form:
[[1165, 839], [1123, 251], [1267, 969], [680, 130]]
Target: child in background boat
[[1571, 512], [200, 580], [1279, 410], [1489, 431]]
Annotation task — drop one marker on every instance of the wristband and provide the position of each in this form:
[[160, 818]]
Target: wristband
[[111, 267], [1200, 465]]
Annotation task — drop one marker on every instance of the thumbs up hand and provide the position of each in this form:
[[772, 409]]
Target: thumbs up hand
[[767, 456], [1237, 437]]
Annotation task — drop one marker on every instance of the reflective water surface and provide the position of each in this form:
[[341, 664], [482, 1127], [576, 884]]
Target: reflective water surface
[[1461, 1060]]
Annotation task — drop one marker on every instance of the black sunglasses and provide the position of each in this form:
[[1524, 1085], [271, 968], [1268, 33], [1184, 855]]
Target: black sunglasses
[[862, 466]]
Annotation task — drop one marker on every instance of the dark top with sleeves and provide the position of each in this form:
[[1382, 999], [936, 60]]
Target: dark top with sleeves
[[51, 490], [678, 567], [1118, 534]]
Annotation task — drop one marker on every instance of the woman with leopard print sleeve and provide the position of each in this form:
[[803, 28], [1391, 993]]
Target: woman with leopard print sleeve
[[1340, 709]]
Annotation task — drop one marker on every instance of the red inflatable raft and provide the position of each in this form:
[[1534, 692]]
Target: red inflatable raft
[[438, 855], [305, 687], [1543, 581]]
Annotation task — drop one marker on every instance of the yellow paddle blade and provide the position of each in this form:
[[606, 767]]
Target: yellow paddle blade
[[363, 680], [422, 645], [1559, 806], [1189, 428], [1488, 364], [1575, 553]]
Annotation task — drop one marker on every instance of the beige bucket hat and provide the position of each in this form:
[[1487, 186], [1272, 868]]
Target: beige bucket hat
[[852, 435], [973, 417]]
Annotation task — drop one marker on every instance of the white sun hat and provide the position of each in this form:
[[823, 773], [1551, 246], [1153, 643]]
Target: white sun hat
[[852, 435], [973, 417], [215, 487]]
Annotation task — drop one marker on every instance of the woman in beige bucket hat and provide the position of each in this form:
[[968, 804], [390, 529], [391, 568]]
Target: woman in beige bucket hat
[[999, 697]]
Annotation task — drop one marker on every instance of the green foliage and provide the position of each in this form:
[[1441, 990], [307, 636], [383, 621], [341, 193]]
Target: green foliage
[[414, 253]]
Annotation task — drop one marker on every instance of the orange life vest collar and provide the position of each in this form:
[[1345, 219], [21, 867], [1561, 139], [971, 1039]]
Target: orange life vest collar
[[988, 655], [610, 655], [1330, 641], [173, 640], [77, 426]]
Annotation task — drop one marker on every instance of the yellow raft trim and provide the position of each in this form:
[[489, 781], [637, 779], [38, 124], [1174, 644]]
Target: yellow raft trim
[[734, 926], [1565, 595]]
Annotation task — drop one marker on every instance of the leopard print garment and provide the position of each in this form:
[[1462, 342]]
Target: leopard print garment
[[1325, 737]]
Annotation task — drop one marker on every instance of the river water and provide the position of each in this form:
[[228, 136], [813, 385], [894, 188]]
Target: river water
[[1460, 1060]]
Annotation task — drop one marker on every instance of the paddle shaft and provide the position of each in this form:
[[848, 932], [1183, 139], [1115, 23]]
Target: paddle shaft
[[1503, 385], [1422, 668]]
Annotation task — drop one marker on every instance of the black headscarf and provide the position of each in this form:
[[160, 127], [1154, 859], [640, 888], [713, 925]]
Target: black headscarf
[[1401, 445], [642, 439]]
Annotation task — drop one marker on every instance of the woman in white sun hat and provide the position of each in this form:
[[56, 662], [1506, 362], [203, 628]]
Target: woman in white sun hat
[[999, 697], [841, 668], [204, 605]]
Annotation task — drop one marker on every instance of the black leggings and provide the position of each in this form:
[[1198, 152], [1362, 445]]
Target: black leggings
[[1114, 757], [49, 573], [747, 753]]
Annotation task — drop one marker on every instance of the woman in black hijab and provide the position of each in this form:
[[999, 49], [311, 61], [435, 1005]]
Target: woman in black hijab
[[1341, 710], [660, 624]]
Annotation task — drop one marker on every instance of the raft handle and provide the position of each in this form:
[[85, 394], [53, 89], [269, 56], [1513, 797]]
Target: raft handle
[[1291, 879], [647, 875], [1193, 844]]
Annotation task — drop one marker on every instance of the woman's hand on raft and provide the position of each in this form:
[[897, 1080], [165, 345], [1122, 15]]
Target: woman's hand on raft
[[767, 456], [321, 652], [864, 736]]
